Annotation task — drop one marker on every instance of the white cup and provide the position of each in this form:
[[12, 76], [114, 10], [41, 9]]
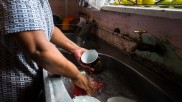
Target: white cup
[[89, 56]]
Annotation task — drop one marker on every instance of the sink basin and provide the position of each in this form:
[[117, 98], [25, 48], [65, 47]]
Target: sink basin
[[122, 77], [79, 41], [124, 81]]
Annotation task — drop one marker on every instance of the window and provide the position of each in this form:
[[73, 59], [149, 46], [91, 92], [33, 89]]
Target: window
[[173, 13]]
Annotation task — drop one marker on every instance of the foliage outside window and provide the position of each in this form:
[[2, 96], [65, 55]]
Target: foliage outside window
[[177, 4], [149, 3]]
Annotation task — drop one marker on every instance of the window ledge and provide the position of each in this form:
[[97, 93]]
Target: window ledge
[[149, 11]]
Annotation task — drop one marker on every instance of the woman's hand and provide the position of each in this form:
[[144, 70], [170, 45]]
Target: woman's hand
[[85, 83], [78, 53]]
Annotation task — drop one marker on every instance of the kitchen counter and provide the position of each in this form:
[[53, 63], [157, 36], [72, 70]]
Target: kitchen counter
[[55, 90]]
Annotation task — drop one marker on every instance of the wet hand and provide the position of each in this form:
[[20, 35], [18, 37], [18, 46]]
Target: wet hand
[[84, 82]]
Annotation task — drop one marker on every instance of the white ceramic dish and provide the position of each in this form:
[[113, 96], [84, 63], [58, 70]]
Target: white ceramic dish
[[120, 99], [85, 99]]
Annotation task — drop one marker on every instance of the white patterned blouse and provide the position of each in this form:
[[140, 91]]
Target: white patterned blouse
[[20, 77]]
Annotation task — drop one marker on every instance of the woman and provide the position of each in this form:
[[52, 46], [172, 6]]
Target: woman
[[27, 39]]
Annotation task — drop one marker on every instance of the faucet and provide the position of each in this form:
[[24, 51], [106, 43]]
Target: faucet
[[158, 48]]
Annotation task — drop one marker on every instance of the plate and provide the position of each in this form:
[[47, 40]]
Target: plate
[[85, 99], [120, 99]]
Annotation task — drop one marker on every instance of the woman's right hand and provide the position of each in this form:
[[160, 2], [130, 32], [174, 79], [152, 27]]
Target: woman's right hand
[[84, 82], [78, 53]]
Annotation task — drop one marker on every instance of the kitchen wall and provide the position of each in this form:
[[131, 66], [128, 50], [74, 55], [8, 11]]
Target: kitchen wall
[[165, 31], [159, 30], [63, 8], [162, 28]]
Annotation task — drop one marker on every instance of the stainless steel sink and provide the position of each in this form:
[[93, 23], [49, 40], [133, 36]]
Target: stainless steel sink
[[121, 77], [122, 80]]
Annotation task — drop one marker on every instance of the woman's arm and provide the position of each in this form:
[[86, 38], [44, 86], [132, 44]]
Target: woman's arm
[[44, 53], [59, 39]]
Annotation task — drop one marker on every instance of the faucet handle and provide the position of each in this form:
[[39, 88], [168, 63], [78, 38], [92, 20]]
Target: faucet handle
[[140, 32]]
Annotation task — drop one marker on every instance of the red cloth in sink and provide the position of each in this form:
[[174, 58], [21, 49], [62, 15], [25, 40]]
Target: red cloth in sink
[[77, 91], [97, 85]]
